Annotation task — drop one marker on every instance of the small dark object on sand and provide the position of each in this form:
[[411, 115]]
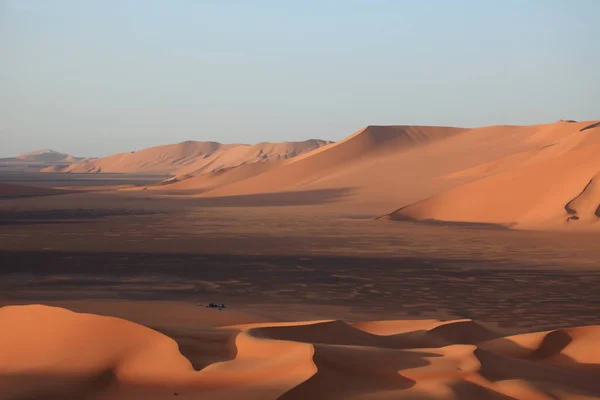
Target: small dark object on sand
[[213, 305]]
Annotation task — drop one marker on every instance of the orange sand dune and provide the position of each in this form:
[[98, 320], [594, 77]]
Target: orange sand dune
[[382, 168], [361, 162], [191, 158], [215, 179], [549, 187], [242, 155], [46, 156], [10, 190], [53, 353]]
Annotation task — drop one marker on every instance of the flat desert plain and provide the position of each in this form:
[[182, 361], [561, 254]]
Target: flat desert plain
[[400, 263]]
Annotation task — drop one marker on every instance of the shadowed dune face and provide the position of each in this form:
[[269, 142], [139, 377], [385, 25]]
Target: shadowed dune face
[[277, 199], [90, 356]]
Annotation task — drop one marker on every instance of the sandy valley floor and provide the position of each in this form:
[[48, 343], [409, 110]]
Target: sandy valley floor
[[151, 259]]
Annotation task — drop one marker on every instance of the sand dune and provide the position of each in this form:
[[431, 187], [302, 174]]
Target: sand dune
[[362, 162], [89, 356], [10, 190], [46, 156], [529, 177], [384, 168], [191, 158], [35, 161], [553, 186]]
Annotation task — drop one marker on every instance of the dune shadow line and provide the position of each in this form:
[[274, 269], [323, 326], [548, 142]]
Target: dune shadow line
[[277, 199]]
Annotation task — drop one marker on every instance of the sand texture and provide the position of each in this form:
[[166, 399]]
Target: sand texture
[[9, 190], [53, 353], [527, 177], [190, 158]]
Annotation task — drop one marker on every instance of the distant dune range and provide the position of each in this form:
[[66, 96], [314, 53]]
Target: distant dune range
[[532, 177], [535, 177], [190, 158], [54, 353], [35, 161]]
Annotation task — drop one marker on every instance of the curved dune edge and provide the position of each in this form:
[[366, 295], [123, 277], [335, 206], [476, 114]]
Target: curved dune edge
[[555, 186], [53, 353], [190, 158]]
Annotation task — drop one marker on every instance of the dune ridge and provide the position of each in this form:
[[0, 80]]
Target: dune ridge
[[439, 173], [90, 356], [46, 156], [190, 158], [553, 186], [342, 164], [524, 177]]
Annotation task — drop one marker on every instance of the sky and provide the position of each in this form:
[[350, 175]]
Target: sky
[[96, 77]]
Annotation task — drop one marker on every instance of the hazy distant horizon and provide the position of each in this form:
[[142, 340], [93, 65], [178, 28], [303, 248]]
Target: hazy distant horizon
[[95, 78]]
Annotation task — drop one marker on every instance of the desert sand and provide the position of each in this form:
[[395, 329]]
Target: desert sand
[[530, 177], [553, 185], [54, 353], [9, 190], [190, 158], [523, 177], [403, 262], [46, 156]]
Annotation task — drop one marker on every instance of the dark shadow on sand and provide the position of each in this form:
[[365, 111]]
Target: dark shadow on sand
[[457, 224], [279, 199], [392, 288], [60, 216]]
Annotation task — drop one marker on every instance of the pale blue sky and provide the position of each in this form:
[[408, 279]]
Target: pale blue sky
[[94, 77]]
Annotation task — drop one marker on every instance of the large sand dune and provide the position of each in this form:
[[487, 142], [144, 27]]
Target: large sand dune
[[535, 177], [553, 185], [53, 353], [191, 158], [383, 168], [539, 176], [368, 162], [46, 156]]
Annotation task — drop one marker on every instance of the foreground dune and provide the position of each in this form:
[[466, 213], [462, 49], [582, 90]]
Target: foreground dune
[[53, 353]]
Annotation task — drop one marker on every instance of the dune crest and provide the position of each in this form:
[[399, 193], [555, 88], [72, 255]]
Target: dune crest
[[553, 186], [85, 355], [190, 158], [520, 176], [46, 156]]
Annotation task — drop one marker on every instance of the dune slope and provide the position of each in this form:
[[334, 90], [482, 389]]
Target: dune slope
[[45, 156], [191, 158], [89, 356], [361, 161], [383, 168], [553, 186]]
